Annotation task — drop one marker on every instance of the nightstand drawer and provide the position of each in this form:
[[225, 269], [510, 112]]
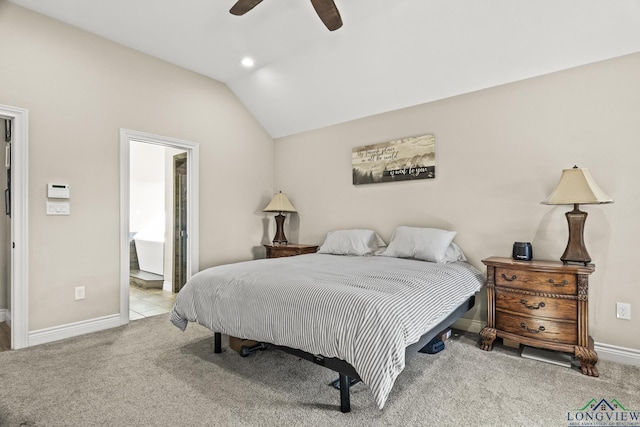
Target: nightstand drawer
[[536, 281], [538, 306], [281, 251], [541, 329]]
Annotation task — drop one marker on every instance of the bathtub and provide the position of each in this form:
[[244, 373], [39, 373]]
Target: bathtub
[[149, 243]]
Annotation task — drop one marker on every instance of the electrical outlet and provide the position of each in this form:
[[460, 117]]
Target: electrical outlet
[[623, 311], [79, 292]]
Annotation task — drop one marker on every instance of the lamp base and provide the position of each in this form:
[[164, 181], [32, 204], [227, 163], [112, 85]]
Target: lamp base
[[576, 251], [280, 238]]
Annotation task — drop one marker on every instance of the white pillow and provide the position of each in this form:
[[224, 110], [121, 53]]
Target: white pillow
[[427, 244], [352, 242], [454, 253]]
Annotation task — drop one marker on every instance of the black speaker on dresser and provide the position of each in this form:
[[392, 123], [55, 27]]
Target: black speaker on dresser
[[522, 251]]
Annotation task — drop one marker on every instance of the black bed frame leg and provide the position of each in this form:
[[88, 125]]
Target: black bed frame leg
[[345, 400], [217, 342]]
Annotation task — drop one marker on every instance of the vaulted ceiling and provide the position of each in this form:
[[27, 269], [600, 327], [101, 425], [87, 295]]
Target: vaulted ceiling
[[389, 54]]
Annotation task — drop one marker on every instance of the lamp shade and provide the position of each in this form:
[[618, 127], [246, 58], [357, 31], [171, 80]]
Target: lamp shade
[[279, 203], [577, 186]]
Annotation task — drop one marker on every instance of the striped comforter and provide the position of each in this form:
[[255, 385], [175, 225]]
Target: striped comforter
[[364, 310]]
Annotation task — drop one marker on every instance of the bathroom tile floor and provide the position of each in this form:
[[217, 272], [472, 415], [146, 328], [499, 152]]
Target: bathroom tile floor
[[149, 302]]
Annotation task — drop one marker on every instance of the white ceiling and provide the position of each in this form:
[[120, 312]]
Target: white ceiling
[[389, 54]]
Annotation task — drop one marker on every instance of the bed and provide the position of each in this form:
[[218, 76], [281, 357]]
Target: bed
[[354, 310]]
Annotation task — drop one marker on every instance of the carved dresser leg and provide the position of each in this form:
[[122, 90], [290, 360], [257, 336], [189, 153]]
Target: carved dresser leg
[[488, 335], [588, 359]]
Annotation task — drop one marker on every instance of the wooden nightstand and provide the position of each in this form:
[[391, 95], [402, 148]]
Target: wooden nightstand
[[278, 251], [541, 304]]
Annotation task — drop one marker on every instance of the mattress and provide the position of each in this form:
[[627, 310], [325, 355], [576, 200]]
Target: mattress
[[363, 310]]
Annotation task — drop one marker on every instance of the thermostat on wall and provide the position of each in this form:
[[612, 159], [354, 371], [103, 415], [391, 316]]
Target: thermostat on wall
[[58, 191]]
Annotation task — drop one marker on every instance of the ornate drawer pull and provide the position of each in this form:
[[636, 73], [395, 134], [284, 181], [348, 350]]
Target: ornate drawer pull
[[532, 306], [533, 331], [507, 279], [563, 283]]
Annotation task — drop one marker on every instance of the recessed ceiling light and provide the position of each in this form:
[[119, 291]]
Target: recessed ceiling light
[[247, 62]]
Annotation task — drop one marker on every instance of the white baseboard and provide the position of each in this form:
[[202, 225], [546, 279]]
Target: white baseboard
[[42, 336], [167, 285], [613, 353], [627, 356], [3, 315]]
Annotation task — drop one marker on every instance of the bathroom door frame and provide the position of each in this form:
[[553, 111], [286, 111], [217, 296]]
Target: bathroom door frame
[[180, 210], [193, 159]]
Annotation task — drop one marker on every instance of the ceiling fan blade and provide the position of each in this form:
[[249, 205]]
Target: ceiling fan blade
[[243, 6], [328, 13]]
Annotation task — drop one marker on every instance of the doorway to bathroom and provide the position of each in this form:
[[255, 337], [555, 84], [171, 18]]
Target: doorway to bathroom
[[151, 228], [159, 223]]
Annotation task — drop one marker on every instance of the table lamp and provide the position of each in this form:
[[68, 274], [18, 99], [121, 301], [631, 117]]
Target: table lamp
[[279, 203], [576, 187]]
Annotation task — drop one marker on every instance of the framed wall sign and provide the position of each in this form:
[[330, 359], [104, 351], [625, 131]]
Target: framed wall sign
[[399, 160]]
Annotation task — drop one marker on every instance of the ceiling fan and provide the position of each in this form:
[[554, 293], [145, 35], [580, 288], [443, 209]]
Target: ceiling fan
[[326, 10]]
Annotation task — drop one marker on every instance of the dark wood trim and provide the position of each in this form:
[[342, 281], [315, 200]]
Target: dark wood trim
[[179, 221], [5, 337]]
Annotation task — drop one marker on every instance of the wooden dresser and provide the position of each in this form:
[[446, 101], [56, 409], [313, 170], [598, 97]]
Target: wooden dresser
[[541, 304], [277, 251]]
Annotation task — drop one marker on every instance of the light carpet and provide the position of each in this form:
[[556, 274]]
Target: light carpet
[[148, 373]]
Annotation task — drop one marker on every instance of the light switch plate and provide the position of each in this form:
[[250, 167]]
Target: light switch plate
[[58, 208]]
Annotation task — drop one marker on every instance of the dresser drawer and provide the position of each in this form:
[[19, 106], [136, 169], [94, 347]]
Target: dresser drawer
[[532, 305], [538, 328], [536, 281]]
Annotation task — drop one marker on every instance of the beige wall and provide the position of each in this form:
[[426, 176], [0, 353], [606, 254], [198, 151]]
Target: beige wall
[[499, 153], [80, 90]]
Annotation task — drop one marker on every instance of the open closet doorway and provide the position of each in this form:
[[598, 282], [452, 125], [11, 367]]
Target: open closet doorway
[[159, 194], [14, 285]]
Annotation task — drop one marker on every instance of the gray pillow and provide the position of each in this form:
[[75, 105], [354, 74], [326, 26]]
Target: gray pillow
[[427, 244], [352, 242]]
